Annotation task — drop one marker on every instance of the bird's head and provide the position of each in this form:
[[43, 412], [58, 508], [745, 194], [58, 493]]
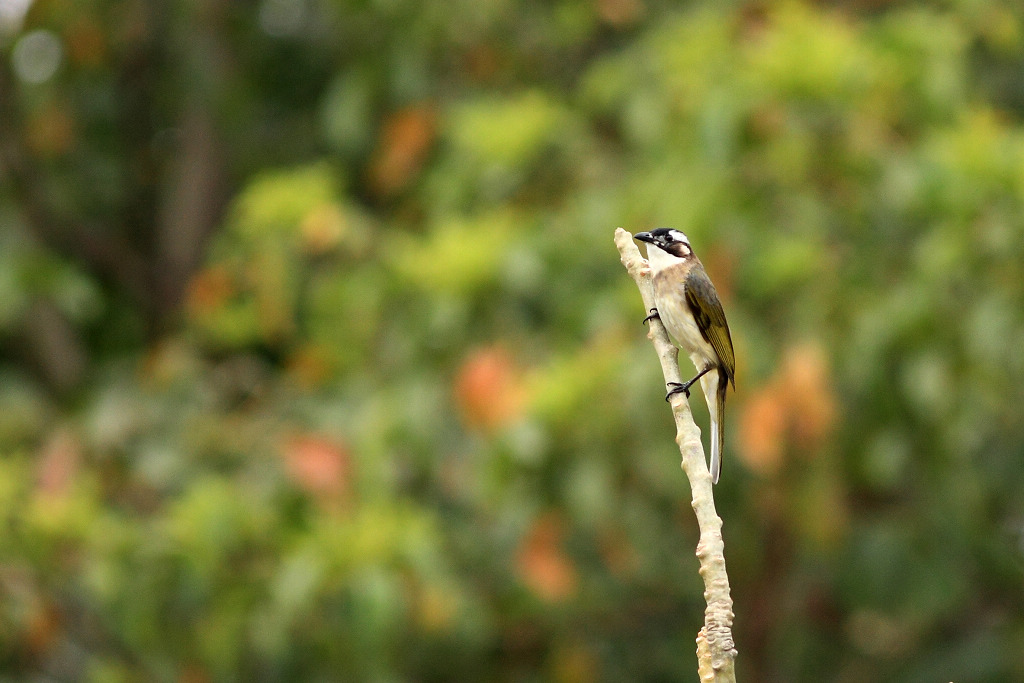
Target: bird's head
[[670, 246]]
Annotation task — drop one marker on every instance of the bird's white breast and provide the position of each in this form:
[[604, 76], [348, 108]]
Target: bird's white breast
[[669, 296]]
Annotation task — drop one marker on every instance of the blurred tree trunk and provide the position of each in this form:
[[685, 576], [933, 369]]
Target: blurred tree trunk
[[171, 161]]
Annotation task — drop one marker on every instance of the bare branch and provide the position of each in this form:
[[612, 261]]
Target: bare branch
[[103, 251], [192, 205], [716, 651]]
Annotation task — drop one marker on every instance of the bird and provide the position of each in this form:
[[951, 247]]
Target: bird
[[688, 306]]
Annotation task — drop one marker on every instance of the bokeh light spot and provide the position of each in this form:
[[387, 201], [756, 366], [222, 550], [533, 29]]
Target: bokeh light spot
[[12, 13], [36, 56]]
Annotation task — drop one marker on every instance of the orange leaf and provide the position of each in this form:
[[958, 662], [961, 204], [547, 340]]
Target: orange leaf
[[59, 463], [618, 552], [86, 42], [762, 429], [808, 390], [42, 628], [320, 467], [542, 562], [481, 63], [488, 389], [311, 365], [209, 290], [51, 130], [404, 141], [721, 263], [796, 407], [620, 12]]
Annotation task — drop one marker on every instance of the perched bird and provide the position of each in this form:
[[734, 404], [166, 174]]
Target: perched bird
[[688, 306]]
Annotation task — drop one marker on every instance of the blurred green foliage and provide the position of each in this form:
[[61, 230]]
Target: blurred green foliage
[[318, 362]]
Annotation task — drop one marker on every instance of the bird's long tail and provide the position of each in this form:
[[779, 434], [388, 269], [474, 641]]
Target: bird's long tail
[[714, 393]]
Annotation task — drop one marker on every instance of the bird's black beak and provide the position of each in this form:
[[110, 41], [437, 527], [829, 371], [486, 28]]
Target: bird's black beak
[[644, 237]]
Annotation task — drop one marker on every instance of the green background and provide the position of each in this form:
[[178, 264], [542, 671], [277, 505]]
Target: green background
[[317, 361]]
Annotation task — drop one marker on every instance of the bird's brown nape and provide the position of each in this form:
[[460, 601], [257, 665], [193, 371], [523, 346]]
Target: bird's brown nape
[[680, 249]]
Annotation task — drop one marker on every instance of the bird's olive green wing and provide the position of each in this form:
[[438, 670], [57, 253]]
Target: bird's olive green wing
[[707, 310]]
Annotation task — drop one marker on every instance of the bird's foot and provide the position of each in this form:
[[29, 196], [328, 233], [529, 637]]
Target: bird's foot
[[685, 387], [678, 388], [653, 315]]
